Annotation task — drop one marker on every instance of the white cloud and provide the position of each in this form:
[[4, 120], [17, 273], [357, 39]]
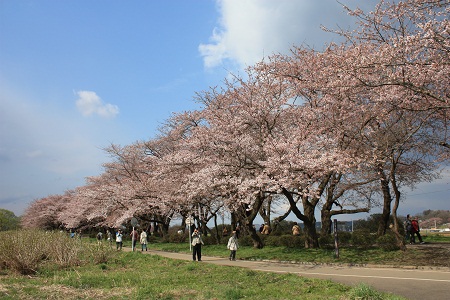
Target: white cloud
[[90, 103], [252, 29], [45, 149]]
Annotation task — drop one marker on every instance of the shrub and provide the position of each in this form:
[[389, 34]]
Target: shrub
[[345, 237], [152, 239], [362, 238], [326, 241], [282, 228], [286, 240], [62, 250], [388, 242], [23, 251], [270, 240], [245, 241], [212, 239], [291, 241], [26, 251], [175, 237], [98, 254]]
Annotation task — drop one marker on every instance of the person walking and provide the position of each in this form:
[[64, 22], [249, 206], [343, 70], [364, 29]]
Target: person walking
[[233, 245], [143, 240], [109, 237], [119, 240], [99, 237], [416, 230], [408, 230], [295, 229], [197, 243]]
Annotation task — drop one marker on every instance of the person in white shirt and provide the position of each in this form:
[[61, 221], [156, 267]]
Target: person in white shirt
[[119, 240], [233, 245], [197, 243]]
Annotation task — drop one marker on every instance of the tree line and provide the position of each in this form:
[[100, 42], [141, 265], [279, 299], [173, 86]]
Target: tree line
[[339, 130]]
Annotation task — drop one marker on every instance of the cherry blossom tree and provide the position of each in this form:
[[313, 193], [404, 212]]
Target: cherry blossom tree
[[401, 55], [362, 82], [137, 190], [237, 123], [319, 128], [405, 54], [45, 213]]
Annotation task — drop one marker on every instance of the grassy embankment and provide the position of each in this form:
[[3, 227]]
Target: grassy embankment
[[63, 268]]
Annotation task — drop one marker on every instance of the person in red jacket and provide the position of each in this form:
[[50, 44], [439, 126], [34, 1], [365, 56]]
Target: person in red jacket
[[415, 231]]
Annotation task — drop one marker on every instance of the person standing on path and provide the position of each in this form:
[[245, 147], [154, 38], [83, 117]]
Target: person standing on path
[[233, 245], [99, 237], [119, 239], [408, 230], [109, 237], [143, 240], [197, 243], [416, 230]]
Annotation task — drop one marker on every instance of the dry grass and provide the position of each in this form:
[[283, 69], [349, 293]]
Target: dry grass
[[26, 251]]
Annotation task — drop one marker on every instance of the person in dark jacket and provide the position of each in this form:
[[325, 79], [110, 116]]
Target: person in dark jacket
[[197, 243], [408, 229]]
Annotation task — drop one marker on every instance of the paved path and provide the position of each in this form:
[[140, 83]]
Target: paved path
[[412, 283]]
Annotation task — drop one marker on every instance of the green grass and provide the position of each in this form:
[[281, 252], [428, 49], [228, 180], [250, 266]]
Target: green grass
[[347, 255], [137, 276], [436, 237], [100, 272]]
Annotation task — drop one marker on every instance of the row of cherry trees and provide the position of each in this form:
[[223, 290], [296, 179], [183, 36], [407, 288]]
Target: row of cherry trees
[[338, 130]]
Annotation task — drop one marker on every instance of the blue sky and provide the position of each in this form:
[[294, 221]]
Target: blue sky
[[76, 76]]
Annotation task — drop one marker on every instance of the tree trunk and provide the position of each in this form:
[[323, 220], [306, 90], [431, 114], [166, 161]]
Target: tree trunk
[[387, 199], [325, 216], [234, 220], [246, 218], [257, 242], [217, 230], [325, 212], [309, 221], [398, 236], [250, 217], [332, 198], [311, 238], [278, 219], [265, 210]]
